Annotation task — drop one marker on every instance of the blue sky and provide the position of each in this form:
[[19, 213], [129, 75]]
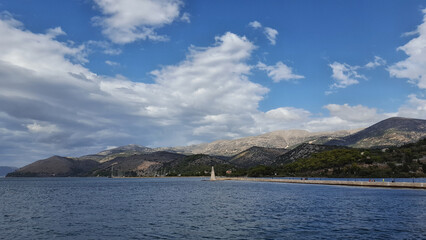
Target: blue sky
[[78, 76]]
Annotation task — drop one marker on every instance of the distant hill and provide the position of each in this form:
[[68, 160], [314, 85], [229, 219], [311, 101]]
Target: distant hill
[[123, 151], [302, 151], [256, 156], [195, 165], [5, 170], [394, 131], [405, 161], [56, 166], [277, 139], [128, 148], [137, 165]]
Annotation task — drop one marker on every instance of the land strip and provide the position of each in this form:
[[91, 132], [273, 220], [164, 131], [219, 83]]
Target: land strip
[[413, 185]]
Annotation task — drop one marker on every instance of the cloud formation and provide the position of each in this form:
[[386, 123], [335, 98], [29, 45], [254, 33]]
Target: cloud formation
[[345, 116], [279, 72], [209, 88], [356, 113], [415, 107], [413, 67], [57, 106], [270, 33], [50, 103], [378, 61], [344, 75], [126, 21], [112, 63], [255, 24]]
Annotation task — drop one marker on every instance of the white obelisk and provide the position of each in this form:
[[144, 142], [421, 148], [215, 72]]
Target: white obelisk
[[213, 176]]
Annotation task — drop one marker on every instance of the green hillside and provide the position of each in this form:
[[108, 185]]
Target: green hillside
[[405, 161]]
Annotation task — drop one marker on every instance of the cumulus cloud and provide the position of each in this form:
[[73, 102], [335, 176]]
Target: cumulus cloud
[[413, 67], [288, 114], [50, 103], [42, 128], [112, 63], [344, 75], [47, 95], [278, 119], [207, 88], [7, 18], [378, 61], [356, 113], [415, 107], [279, 72], [58, 106], [347, 117], [54, 32], [126, 21], [255, 24], [186, 17], [270, 33], [102, 46]]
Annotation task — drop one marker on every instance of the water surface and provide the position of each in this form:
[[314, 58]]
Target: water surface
[[188, 208]]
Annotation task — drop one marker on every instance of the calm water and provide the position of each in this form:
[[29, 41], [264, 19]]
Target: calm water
[[362, 179], [188, 208]]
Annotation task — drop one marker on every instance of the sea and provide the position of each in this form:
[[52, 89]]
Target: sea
[[191, 208]]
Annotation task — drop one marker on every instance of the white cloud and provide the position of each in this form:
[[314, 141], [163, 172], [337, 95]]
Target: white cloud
[[288, 114], [344, 75], [42, 128], [271, 34], [327, 124], [278, 119], [378, 61], [126, 21], [37, 52], [415, 108], [344, 117], [279, 72], [356, 113], [74, 111], [103, 46], [209, 86], [186, 17], [7, 18], [54, 32], [53, 104], [255, 24], [45, 89], [414, 66], [112, 63]]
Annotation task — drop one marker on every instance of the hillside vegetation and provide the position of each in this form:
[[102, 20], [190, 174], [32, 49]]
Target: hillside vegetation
[[406, 161]]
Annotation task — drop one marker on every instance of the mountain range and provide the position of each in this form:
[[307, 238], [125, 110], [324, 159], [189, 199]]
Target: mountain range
[[4, 170], [277, 148], [395, 131], [278, 139]]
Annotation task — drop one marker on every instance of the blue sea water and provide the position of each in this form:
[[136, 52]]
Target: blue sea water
[[188, 208], [420, 180]]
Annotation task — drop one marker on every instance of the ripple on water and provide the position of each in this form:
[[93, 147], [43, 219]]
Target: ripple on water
[[188, 208]]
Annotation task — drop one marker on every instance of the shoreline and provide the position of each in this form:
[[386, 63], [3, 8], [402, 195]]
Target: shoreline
[[415, 185]]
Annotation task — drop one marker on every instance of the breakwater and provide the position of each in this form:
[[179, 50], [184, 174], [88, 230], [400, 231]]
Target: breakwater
[[414, 185]]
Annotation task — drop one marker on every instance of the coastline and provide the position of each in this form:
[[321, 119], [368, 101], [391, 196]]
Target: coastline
[[411, 185]]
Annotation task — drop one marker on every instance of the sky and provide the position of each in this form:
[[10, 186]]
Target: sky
[[81, 76]]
